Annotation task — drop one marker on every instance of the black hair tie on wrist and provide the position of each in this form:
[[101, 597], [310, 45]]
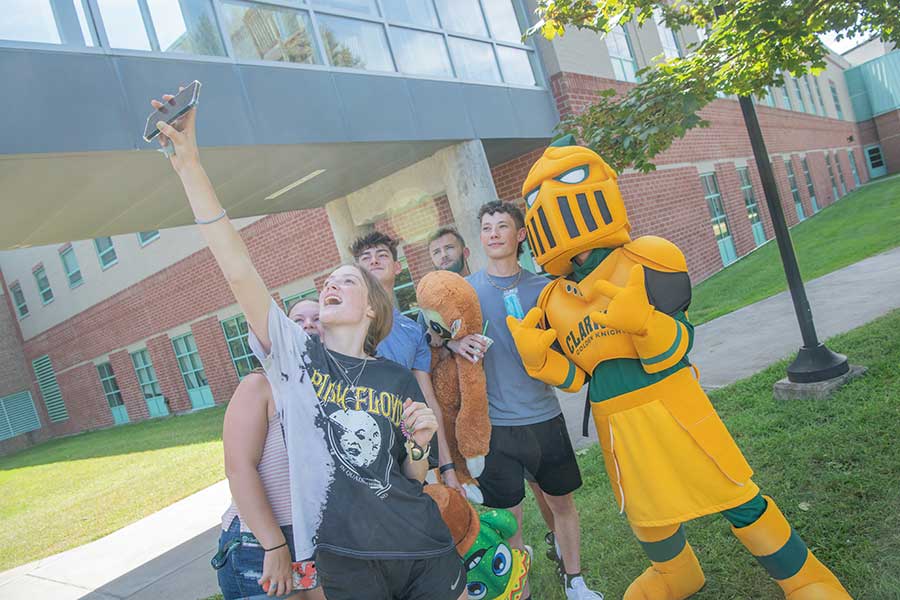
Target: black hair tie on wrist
[[447, 467], [276, 547]]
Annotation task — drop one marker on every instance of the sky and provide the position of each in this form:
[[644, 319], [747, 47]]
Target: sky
[[843, 45]]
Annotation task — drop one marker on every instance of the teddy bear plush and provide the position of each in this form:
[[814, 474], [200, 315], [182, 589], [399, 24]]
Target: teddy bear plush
[[450, 309]]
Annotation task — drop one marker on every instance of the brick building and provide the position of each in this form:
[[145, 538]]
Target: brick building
[[119, 326]]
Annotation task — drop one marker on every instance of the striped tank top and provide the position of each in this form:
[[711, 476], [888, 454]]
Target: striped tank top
[[273, 471]]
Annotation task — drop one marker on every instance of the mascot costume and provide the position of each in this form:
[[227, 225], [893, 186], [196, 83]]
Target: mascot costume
[[616, 314], [451, 311]]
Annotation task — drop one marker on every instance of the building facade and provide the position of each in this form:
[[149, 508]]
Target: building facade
[[331, 118]]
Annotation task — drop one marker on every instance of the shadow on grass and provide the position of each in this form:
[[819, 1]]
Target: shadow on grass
[[156, 434]]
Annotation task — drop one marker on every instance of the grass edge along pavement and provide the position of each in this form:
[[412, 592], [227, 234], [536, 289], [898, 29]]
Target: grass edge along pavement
[[94, 483], [863, 223]]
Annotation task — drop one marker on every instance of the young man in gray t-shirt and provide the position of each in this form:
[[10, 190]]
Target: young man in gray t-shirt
[[529, 432]]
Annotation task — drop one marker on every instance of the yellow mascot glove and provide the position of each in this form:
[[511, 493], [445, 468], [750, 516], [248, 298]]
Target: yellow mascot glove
[[629, 309], [532, 342]]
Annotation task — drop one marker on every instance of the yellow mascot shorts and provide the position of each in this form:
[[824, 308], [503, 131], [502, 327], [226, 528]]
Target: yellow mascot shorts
[[669, 457]]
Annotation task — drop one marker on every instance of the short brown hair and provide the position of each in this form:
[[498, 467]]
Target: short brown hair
[[447, 231], [383, 307], [371, 240], [498, 206]]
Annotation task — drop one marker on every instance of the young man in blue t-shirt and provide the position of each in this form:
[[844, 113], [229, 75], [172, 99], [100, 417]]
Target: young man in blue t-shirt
[[406, 343], [528, 429]]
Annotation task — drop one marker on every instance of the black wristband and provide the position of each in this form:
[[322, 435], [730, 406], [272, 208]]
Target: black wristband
[[445, 343], [276, 547], [447, 467]]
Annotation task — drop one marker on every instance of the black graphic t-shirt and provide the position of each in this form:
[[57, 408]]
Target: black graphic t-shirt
[[371, 509]]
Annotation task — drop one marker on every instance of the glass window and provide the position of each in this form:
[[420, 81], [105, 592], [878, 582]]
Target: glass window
[[145, 237], [671, 47], [516, 65], [236, 333], [290, 301], [853, 168], [105, 252], [624, 65], [799, 95], [786, 97], [718, 218], [363, 6], [501, 17], [818, 89], [110, 385], [405, 292], [420, 52], [418, 12], [463, 16], [355, 44], [186, 26], [795, 192], [40, 276], [834, 189], [70, 266], [19, 299], [770, 97], [840, 171], [146, 374], [812, 101], [473, 60], [836, 98], [189, 362], [810, 189], [124, 24], [47, 21], [270, 33]]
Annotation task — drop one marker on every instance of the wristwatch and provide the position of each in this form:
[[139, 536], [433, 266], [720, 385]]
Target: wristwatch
[[415, 451]]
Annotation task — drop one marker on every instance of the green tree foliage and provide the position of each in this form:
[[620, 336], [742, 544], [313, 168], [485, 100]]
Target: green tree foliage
[[750, 44]]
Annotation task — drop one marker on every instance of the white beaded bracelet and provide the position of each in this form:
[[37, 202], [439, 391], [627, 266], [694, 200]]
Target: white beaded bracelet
[[210, 221]]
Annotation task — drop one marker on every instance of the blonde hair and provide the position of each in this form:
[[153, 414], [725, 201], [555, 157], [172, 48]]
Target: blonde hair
[[383, 307]]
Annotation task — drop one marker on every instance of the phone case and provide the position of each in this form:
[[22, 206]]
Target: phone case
[[304, 576]]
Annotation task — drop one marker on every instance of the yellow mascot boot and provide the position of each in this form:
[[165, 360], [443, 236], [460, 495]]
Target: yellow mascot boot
[[779, 549], [674, 573]]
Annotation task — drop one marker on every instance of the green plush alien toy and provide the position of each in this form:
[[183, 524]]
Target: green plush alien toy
[[494, 570]]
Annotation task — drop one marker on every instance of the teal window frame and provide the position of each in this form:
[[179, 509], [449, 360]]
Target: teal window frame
[[719, 219], [19, 299], [290, 301], [670, 50], [238, 345], [18, 415], [45, 290], [786, 98], [840, 171], [111, 390], [146, 374], [812, 100], [402, 284], [750, 202], [800, 95], [107, 256], [810, 188], [834, 187], [71, 268], [853, 168], [151, 236], [837, 100], [795, 191], [770, 98], [189, 362], [818, 87], [622, 60]]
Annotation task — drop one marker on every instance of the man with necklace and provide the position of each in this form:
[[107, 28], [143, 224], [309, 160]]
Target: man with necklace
[[528, 429]]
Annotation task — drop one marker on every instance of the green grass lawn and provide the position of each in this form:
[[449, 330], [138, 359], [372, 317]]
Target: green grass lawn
[[831, 466], [68, 492], [863, 223]]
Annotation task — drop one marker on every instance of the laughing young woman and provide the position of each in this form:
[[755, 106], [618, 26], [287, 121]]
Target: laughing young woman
[[356, 427]]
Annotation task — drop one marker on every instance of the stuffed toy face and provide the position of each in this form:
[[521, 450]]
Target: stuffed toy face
[[573, 204], [450, 305], [494, 570]]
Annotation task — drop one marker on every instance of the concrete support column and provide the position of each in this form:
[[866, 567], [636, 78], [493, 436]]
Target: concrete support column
[[469, 184], [343, 228]]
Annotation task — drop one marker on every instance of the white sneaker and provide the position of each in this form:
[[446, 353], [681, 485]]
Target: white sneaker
[[580, 591]]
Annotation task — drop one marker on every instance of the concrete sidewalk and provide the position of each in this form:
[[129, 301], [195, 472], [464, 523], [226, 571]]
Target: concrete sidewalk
[[166, 555]]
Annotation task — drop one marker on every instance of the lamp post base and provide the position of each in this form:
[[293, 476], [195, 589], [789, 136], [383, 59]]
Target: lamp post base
[[817, 363]]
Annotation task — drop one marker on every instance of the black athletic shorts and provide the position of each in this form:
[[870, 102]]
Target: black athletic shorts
[[543, 450], [344, 578]]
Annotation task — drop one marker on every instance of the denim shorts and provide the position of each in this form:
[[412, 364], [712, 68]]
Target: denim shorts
[[240, 563]]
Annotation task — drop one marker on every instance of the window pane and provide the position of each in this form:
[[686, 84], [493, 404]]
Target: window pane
[[363, 6], [124, 24], [270, 33], [501, 17], [670, 45], [419, 12], [421, 53], [146, 237], [620, 52], [461, 15], [186, 26], [474, 60], [356, 44], [516, 65], [28, 21]]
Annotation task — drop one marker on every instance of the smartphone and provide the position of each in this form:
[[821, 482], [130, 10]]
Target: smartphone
[[177, 106]]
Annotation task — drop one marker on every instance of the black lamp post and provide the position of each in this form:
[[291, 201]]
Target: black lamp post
[[814, 362]]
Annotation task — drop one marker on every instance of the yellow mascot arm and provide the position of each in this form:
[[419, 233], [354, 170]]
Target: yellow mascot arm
[[540, 360], [665, 343]]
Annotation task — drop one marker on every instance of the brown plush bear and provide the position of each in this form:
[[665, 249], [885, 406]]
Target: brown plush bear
[[460, 517], [451, 310]]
